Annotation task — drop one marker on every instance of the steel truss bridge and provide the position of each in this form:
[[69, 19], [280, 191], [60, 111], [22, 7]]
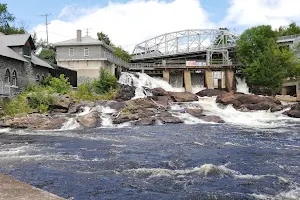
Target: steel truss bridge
[[184, 44]]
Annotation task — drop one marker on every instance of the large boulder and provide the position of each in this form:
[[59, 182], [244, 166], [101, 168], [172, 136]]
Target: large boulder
[[159, 92], [196, 112], [122, 118], [62, 102], [167, 118], [79, 107], [210, 93], [125, 93], [248, 101], [148, 121], [213, 118], [91, 119], [35, 122], [294, 111], [183, 96]]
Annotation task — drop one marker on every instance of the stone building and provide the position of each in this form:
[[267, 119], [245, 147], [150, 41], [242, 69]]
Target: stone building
[[18, 64], [86, 55]]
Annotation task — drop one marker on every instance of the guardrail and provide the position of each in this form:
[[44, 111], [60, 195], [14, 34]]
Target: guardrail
[[153, 53], [288, 37], [8, 90]]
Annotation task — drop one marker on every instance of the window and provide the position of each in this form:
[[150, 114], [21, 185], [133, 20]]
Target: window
[[14, 78], [71, 52], [7, 77], [37, 78], [26, 49], [86, 51]]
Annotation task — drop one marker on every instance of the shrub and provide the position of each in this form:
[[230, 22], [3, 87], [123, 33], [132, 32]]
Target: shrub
[[60, 85], [18, 105], [40, 100], [84, 92], [106, 82]]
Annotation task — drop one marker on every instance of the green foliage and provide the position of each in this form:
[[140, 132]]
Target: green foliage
[[252, 42], [60, 85], [105, 83], [265, 63], [84, 92], [104, 38], [121, 53], [6, 19], [291, 29], [48, 55], [46, 80], [39, 97], [18, 105]]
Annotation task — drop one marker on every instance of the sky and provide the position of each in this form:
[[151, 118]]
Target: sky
[[129, 22]]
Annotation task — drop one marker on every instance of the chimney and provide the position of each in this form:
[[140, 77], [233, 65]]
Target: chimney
[[78, 38]]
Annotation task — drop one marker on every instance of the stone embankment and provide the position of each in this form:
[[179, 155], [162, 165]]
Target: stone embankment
[[12, 189]]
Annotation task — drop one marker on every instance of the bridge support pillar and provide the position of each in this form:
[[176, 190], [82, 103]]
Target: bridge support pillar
[[166, 75], [187, 81], [209, 79], [229, 77]]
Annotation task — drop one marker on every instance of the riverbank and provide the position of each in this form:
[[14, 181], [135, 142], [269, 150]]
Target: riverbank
[[12, 189]]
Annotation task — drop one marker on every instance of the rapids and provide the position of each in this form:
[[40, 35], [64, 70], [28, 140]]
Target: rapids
[[254, 155]]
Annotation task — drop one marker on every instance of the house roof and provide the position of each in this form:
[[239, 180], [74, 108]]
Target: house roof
[[16, 40], [37, 61], [87, 40], [8, 52]]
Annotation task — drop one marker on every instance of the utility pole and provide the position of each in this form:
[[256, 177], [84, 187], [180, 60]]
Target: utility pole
[[87, 31], [46, 15]]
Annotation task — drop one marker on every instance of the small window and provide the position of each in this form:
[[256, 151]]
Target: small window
[[71, 52], [86, 51], [7, 77], [14, 78], [37, 78]]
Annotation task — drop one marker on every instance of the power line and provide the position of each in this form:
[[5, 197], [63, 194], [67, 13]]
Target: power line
[[46, 16]]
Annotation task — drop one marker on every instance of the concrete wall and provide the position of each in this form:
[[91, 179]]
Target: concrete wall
[[87, 70], [94, 52]]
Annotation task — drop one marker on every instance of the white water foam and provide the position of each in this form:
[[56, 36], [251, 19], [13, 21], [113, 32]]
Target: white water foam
[[205, 170], [242, 85], [71, 124], [141, 80], [256, 119]]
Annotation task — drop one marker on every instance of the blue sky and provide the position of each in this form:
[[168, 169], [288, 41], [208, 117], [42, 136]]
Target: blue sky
[[30, 15], [129, 22]]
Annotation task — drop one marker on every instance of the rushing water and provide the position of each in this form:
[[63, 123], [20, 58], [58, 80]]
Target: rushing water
[[254, 155]]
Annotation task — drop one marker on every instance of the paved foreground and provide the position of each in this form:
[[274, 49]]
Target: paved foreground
[[11, 189]]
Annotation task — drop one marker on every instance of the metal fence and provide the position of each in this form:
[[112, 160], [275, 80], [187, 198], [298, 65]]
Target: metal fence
[[8, 90], [287, 37]]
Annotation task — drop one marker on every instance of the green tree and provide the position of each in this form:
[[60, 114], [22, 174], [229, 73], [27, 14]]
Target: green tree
[[6, 19], [121, 53], [291, 29], [252, 42], [104, 38], [48, 55]]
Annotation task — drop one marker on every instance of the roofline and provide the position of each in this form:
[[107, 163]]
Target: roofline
[[85, 44]]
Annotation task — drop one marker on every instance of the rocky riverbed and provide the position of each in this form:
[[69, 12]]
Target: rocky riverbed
[[151, 110]]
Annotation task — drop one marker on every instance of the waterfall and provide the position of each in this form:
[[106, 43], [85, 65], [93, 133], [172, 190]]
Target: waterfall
[[242, 85]]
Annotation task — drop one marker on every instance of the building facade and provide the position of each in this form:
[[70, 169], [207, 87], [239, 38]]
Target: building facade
[[87, 56], [18, 64]]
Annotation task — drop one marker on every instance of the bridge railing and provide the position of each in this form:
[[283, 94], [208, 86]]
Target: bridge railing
[[287, 37], [153, 53]]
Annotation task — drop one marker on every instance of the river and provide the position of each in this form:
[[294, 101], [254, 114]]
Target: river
[[254, 155]]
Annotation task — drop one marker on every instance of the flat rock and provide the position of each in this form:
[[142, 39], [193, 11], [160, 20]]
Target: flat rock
[[170, 120], [146, 121], [196, 112], [210, 92], [183, 96], [213, 118]]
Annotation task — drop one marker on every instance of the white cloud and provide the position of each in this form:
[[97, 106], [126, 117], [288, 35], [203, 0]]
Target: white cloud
[[128, 23], [258, 12]]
